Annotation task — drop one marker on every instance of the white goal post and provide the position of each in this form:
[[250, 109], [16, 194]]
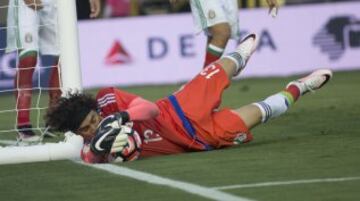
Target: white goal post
[[69, 149], [69, 46], [70, 75]]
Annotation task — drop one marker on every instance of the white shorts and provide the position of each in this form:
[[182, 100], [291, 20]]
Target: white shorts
[[30, 30], [207, 13]]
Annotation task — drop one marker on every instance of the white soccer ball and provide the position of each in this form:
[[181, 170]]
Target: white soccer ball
[[132, 148]]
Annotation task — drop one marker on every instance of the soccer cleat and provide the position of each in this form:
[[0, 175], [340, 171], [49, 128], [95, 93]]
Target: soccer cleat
[[245, 49], [312, 82], [25, 134]]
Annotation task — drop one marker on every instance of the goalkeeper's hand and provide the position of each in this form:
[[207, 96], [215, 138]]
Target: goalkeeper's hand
[[120, 142], [107, 131]]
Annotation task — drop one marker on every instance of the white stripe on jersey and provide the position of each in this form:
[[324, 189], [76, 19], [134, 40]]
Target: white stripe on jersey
[[107, 97], [107, 103], [106, 100]]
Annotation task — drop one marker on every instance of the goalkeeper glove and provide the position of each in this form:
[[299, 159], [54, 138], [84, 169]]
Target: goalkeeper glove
[[120, 141], [107, 131], [122, 117]]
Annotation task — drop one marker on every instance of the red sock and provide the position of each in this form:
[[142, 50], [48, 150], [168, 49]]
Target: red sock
[[294, 91], [23, 80], [213, 53], [54, 84]]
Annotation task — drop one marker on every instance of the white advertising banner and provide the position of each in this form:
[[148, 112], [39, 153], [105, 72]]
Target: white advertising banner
[[163, 49]]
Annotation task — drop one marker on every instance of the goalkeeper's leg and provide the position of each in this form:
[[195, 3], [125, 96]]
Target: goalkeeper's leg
[[236, 61], [277, 104]]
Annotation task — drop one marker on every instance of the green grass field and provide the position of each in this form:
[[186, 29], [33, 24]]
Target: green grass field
[[319, 138]]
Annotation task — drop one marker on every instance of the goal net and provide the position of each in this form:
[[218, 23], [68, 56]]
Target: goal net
[[12, 74]]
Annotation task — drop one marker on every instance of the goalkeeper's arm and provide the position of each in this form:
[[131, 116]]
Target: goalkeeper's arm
[[140, 109]]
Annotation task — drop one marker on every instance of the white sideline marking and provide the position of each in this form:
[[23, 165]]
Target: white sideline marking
[[154, 179], [281, 183]]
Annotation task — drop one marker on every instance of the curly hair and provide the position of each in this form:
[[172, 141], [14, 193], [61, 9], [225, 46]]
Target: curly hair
[[68, 113]]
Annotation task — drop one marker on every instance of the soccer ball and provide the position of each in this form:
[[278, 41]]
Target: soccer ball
[[132, 149]]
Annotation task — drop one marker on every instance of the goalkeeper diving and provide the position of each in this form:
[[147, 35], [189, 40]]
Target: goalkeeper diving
[[120, 126]]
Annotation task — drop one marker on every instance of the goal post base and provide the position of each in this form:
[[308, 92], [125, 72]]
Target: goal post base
[[69, 149]]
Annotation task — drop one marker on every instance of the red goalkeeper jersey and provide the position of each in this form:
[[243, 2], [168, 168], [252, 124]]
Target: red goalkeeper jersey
[[189, 120], [161, 135]]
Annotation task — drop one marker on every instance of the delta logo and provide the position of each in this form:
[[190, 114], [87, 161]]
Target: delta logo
[[117, 55]]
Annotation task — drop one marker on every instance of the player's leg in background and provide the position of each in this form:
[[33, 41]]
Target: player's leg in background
[[23, 84], [219, 35], [277, 104], [49, 45], [24, 40], [221, 32], [215, 18], [54, 83]]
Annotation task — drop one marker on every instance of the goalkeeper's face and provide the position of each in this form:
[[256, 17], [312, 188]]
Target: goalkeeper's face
[[88, 126]]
